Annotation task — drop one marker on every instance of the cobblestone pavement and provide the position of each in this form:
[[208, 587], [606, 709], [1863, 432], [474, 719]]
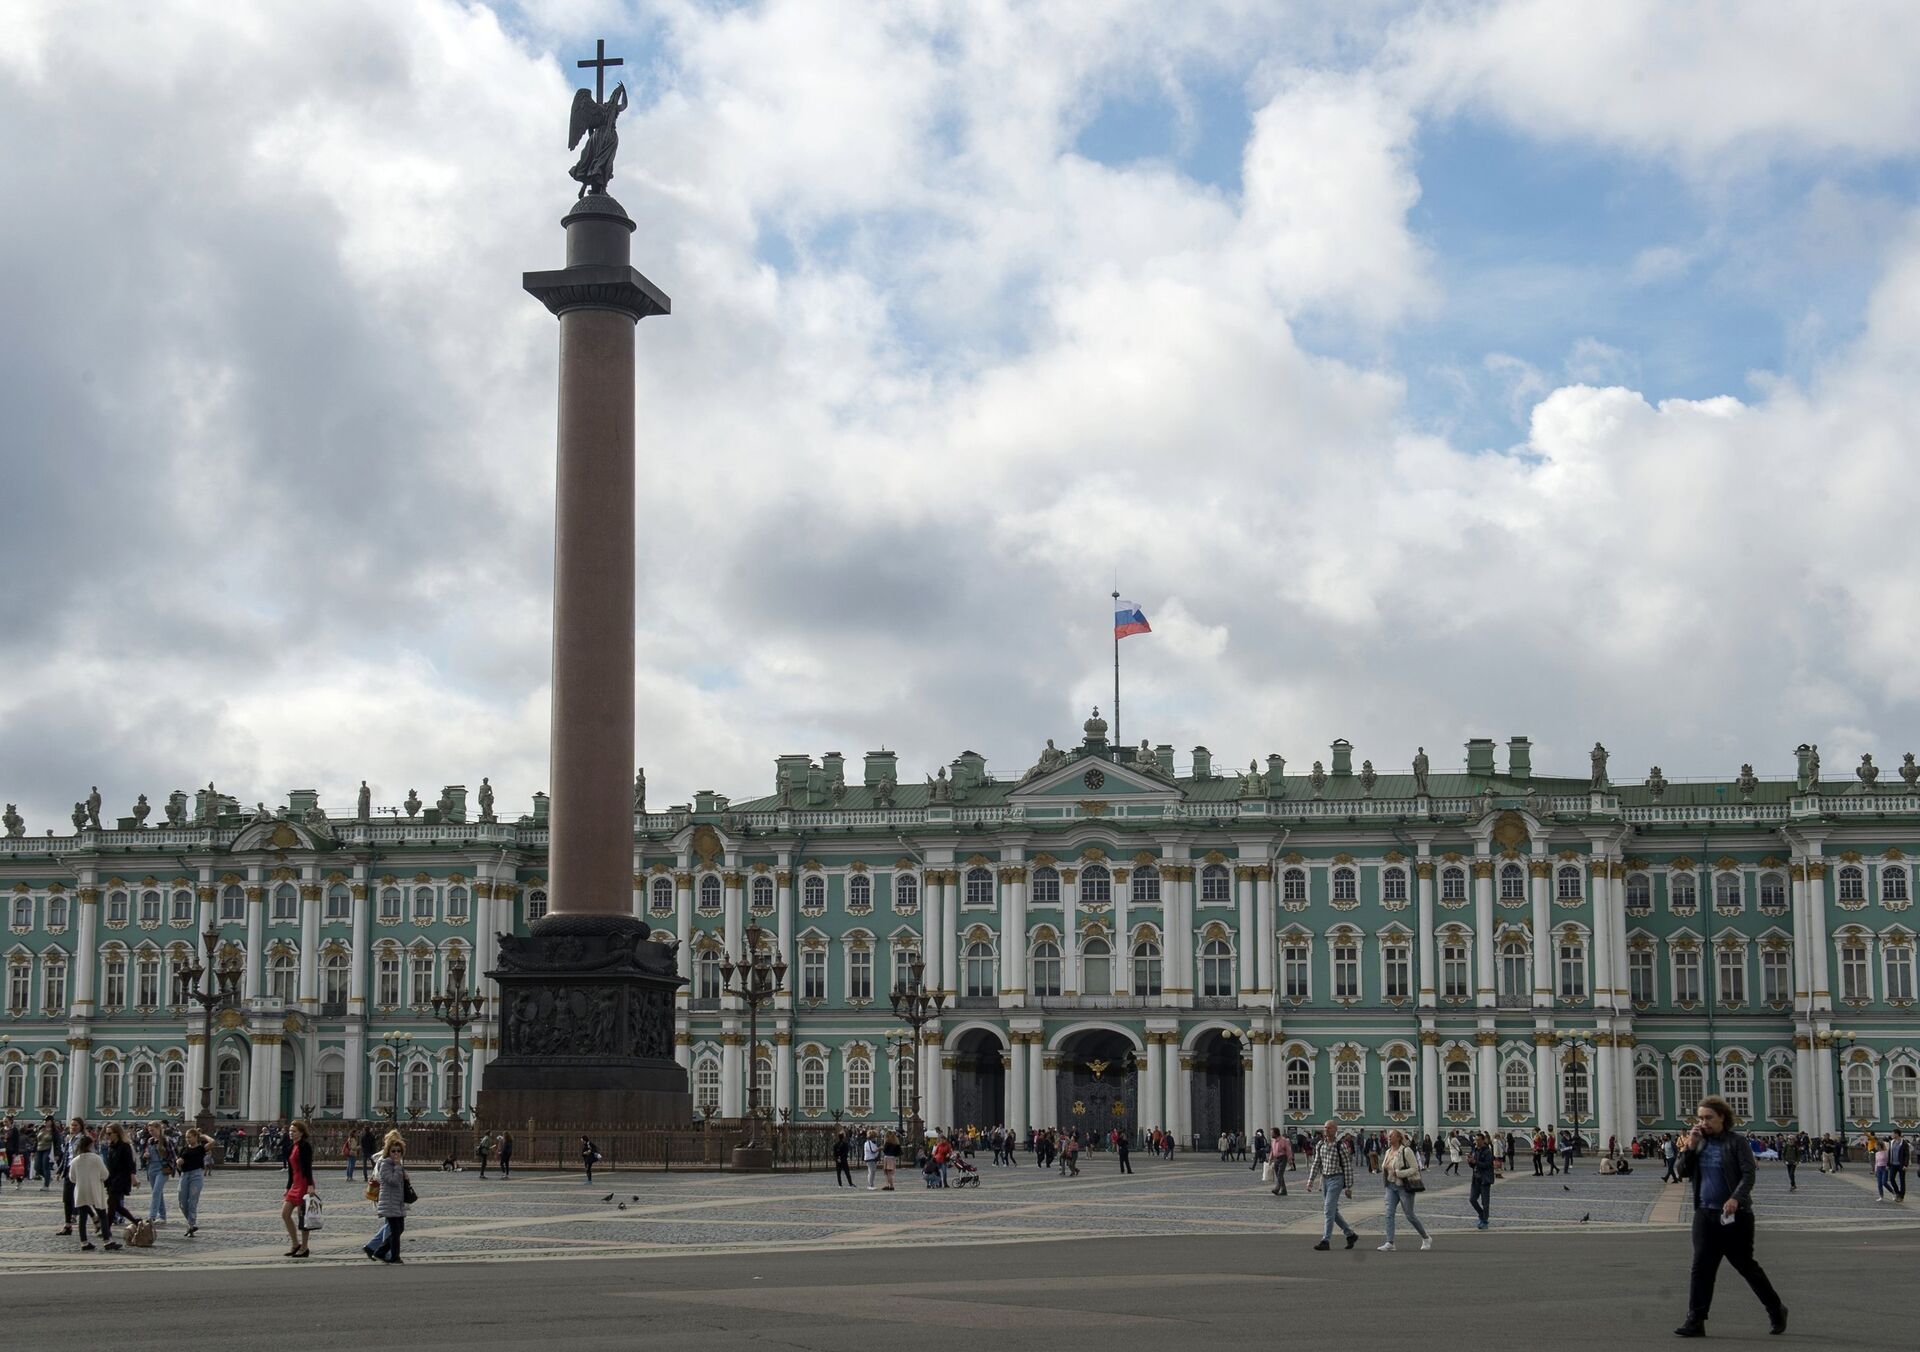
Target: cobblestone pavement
[[544, 1216]]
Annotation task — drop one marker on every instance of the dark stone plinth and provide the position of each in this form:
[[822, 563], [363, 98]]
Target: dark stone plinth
[[751, 1159], [586, 1028]]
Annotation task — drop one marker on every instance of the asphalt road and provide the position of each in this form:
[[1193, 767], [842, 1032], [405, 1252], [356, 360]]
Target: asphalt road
[[1483, 1291]]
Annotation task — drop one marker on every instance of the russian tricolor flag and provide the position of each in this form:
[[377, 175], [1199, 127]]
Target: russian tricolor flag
[[1128, 618]]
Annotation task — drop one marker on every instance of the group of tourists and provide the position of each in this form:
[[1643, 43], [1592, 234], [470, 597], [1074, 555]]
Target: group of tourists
[[878, 1152]]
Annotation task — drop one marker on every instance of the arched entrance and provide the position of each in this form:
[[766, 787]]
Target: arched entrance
[[979, 1081], [1219, 1087], [1099, 1089]]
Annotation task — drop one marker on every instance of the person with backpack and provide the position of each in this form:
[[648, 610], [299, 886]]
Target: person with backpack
[[1400, 1169], [392, 1184]]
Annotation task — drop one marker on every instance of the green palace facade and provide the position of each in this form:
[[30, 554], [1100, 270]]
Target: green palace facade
[[1118, 943]]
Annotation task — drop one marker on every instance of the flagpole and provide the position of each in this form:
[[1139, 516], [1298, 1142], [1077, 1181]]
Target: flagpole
[[1116, 675]]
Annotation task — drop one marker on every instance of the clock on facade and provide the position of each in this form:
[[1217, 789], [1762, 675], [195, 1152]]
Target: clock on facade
[[1093, 779]]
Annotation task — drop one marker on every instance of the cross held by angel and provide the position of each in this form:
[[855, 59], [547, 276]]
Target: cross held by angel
[[594, 115]]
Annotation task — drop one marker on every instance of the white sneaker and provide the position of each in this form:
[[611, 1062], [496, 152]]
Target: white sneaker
[[1425, 1244], [1384, 1248]]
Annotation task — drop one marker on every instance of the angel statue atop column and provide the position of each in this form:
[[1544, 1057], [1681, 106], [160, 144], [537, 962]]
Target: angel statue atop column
[[594, 120]]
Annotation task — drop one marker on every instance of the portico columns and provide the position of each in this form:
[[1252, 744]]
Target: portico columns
[[1018, 1116], [730, 1083], [1428, 965], [1603, 1054], [1243, 889], [1429, 1082], [683, 932], [783, 926], [1604, 998], [1483, 932], [1546, 1077], [1050, 1089], [1070, 931], [1488, 1078], [1153, 1101], [1180, 1094], [1263, 928], [1260, 1101], [783, 1071], [1036, 1082], [1538, 870], [1013, 942], [950, 934]]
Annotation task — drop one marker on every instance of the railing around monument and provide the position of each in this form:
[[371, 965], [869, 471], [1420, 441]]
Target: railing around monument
[[548, 1147]]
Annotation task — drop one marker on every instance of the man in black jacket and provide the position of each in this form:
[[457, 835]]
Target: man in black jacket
[[1720, 1163]]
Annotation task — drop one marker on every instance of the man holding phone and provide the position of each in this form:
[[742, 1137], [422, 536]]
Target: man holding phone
[[1720, 1164]]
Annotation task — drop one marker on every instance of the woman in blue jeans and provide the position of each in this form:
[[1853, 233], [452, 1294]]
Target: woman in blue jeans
[[1400, 1167], [1480, 1191], [159, 1165], [193, 1177]]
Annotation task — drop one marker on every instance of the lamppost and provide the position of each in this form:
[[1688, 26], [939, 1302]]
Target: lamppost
[[456, 1009], [913, 1003], [1844, 1039], [898, 1040], [222, 993], [395, 1043], [757, 977], [1574, 1045]]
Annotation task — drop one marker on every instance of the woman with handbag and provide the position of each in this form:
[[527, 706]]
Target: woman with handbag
[[299, 1184], [390, 1177], [1400, 1167], [122, 1168]]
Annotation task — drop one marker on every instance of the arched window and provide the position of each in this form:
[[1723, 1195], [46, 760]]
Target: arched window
[[1852, 884], [226, 1083], [1692, 1087], [1299, 1085], [56, 913], [420, 977], [1646, 1092], [146, 979], [1567, 884], [143, 1085], [110, 1089], [1683, 894], [1044, 890], [390, 903], [15, 1095], [283, 975], [536, 905], [1516, 975], [1780, 1093], [1096, 968], [286, 902], [905, 1074], [1575, 1099], [117, 908], [339, 903], [23, 912], [906, 891], [1214, 884], [1516, 1088], [1293, 885], [1346, 884], [1347, 1086], [49, 1086], [333, 1085], [1773, 892], [660, 895], [1639, 894], [710, 895], [419, 1086], [450, 1095], [1146, 968], [113, 979], [706, 975], [1727, 897], [762, 1082], [1737, 1085], [1862, 1100], [1046, 969], [1856, 982], [979, 887], [1513, 883], [53, 984], [1893, 883], [456, 915], [233, 904], [1573, 967], [336, 977], [859, 893], [980, 983], [150, 906], [1399, 1086], [813, 894], [1903, 1093], [1459, 1089], [1453, 969], [1096, 885], [1393, 885], [423, 905], [706, 1083], [1216, 968], [813, 1084], [1453, 884], [1146, 885], [859, 1084]]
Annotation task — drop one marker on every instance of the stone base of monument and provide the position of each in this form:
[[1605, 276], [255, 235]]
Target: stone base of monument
[[586, 1028], [755, 1159]]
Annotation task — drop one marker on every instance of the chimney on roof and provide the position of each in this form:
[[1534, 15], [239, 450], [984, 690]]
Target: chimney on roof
[[1202, 763], [1480, 756], [880, 767], [1342, 757], [1519, 758]]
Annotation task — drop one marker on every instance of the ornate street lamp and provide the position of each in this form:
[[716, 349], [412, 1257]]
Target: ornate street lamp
[[223, 992], [756, 978], [395, 1043], [898, 1040], [454, 1007], [1844, 1040], [1573, 1045], [917, 1007]]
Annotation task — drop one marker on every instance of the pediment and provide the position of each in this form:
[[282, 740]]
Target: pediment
[[278, 834], [1092, 777]]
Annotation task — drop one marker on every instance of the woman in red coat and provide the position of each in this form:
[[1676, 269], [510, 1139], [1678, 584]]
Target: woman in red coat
[[299, 1185]]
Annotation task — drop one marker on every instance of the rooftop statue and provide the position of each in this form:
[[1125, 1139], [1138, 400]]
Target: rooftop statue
[[1050, 760], [1909, 770], [364, 803], [79, 817], [594, 116], [93, 808], [1656, 783], [639, 784], [1599, 758], [15, 824], [1420, 771], [486, 800]]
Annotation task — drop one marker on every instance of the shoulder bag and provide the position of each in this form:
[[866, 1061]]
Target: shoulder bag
[[409, 1196], [1410, 1180]]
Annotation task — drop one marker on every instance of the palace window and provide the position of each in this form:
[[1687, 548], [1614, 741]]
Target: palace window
[[1096, 968], [762, 1080], [54, 987], [1294, 967], [23, 912], [456, 905], [339, 902], [1568, 884], [283, 976], [1683, 894], [420, 1086], [1346, 885], [1516, 1088], [336, 976], [1862, 1098], [1692, 1082], [536, 905], [110, 1089], [813, 974], [1398, 965], [420, 979], [1215, 886], [1686, 976], [1453, 970], [1899, 970], [113, 988], [333, 1089], [1146, 885], [142, 1089], [1574, 1099], [1146, 968], [286, 902], [979, 887], [1733, 981], [706, 975], [1775, 987], [386, 1082], [226, 1084], [859, 894], [1737, 1085], [1346, 970], [15, 1096], [146, 980], [117, 908], [390, 903], [859, 974], [49, 1086], [1293, 885], [980, 983], [1893, 883], [813, 1084], [1646, 1091], [1096, 885], [710, 895], [1852, 884], [1513, 883], [182, 907], [1216, 968], [706, 1083], [1640, 976], [150, 907], [1854, 981], [1346, 1086], [56, 913], [1727, 897], [1399, 1086], [19, 986], [1046, 886], [386, 990], [1903, 1093], [1453, 884], [660, 892], [1459, 1089], [1639, 894], [1773, 892], [1393, 884], [859, 1084], [1516, 974], [813, 893], [1299, 1085], [233, 904]]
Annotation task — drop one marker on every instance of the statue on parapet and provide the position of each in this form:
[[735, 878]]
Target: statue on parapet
[[639, 781], [939, 787], [79, 817], [486, 801], [93, 809], [363, 804], [883, 792], [15, 824], [1420, 772], [1909, 771], [210, 807], [1051, 759], [1599, 758]]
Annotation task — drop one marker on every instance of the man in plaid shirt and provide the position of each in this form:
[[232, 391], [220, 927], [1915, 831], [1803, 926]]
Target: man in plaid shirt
[[1333, 1168]]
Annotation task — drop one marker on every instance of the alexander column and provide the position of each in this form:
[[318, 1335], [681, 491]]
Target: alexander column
[[587, 1018]]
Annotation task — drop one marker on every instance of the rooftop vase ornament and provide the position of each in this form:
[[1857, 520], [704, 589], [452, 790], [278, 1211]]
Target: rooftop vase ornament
[[1656, 783], [1868, 771], [413, 803], [1909, 771], [1747, 783], [140, 813], [17, 827], [1367, 778], [1318, 778]]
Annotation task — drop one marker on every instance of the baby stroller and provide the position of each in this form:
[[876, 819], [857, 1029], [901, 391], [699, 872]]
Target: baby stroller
[[964, 1174]]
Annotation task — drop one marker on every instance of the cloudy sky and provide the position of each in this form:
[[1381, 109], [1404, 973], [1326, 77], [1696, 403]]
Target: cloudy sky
[[1424, 371]]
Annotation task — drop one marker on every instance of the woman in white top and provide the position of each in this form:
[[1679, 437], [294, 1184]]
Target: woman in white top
[[1400, 1167], [88, 1173]]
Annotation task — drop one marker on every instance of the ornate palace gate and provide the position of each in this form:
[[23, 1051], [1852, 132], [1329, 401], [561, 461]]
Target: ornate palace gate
[[1099, 1088]]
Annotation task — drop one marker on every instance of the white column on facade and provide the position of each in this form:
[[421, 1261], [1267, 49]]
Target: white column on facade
[[1017, 1086], [86, 957], [932, 925], [1122, 965], [1484, 984], [1626, 1124], [1013, 943], [950, 935], [1263, 925], [683, 931], [1179, 974], [1429, 964], [79, 1076], [357, 959], [1546, 1077], [1603, 965], [734, 911], [205, 891], [1608, 1104], [1260, 1114], [783, 1071], [1429, 1083], [310, 939], [1036, 1081], [355, 1100], [1817, 934], [1070, 931], [783, 926], [1153, 1099], [1243, 895], [1180, 1095], [640, 883], [732, 1087], [1487, 1081], [1538, 881], [1802, 949], [1617, 921], [256, 935]]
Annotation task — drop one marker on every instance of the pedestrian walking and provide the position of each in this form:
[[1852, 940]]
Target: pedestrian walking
[[44, 1141], [870, 1156], [589, 1155], [1332, 1167], [1453, 1154], [1720, 1164], [1122, 1149], [1401, 1171], [889, 1159], [1881, 1192], [1899, 1152], [482, 1150], [76, 1132], [1552, 1150], [390, 1178], [842, 1152], [160, 1166], [1480, 1188], [122, 1170], [87, 1185], [1670, 1157], [300, 1183], [192, 1168], [1282, 1157], [506, 1154]]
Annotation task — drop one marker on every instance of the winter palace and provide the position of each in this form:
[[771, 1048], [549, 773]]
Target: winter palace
[[1118, 943]]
